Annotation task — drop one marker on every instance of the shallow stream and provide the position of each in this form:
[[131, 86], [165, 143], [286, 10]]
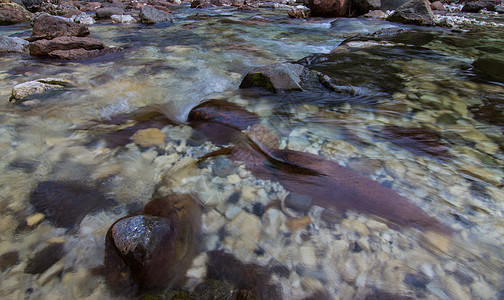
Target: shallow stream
[[421, 78]]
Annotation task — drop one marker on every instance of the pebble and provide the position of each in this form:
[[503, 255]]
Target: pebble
[[298, 202], [150, 137], [298, 223], [482, 289], [340, 149], [436, 242], [272, 219], [246, 229], [307, 256], [248, 193], [233, 179], [454, 289], [34, 219], [356, 226]]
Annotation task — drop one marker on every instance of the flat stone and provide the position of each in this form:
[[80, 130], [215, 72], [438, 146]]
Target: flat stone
[[45, 258], [307, 256], [298, 202], [247, 228], [8, 259]]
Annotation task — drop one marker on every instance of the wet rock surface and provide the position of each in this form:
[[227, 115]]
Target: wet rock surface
[[13, 44], [282, 77], [153, 249]]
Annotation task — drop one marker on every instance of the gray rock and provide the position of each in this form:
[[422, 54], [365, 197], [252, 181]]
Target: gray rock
[[275, 78], [48, 27], [107, 12], [30, 88], [121, 19], [417, 12], [151, 15], [298, 202], [13, 44]]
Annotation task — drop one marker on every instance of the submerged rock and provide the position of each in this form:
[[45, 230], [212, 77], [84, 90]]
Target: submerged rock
[[418, 140], [281, 77], [8, 259], [45, 258], [155, 248], [36, 87], [70, 48], [489, 68], [13, 13], [417, 12], [65, 204], [250, 281]]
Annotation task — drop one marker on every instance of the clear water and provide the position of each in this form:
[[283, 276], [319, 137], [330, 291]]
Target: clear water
[[428, 81]]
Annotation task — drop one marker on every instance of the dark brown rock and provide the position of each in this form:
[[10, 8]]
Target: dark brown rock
[[476, 6], [360, 7], [219, 120], [8, 259], [78, 54], [417, 12], [106, 12], [250, 281], [328, 8], [153, 249], [49, 27], [13, 13], [45, 258], [65, 204], [45, 47]]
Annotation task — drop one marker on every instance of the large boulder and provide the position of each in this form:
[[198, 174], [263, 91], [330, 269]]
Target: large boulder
[[151, 15], [328, 8], [12, 44], [281, 77], [49, 27], [476, 6], [417, 12], [12, 13]]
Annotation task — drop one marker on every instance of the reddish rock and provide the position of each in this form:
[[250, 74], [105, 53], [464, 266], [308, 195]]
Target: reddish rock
[[328, 8], [45, 47], [437, 5], [12, 13], [153, 249], [50, 27]]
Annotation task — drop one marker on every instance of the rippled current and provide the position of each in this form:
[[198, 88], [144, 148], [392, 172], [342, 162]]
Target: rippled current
[[420, 114]]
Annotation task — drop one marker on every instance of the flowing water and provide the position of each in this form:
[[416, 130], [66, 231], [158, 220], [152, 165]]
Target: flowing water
[[421, 78]]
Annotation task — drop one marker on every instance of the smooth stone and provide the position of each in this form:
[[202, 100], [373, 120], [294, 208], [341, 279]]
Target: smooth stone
[[248, 193], [8, 259], [272, 220], [454, 289], [436, 242], [298, 202], [45, 258], [307, 256], [281, 77], [150, 137], [247, 230], [298, 223], [356, 226], [34, 219], [151, 15]]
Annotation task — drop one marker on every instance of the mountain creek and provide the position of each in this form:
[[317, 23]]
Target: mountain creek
[[242, 154]]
